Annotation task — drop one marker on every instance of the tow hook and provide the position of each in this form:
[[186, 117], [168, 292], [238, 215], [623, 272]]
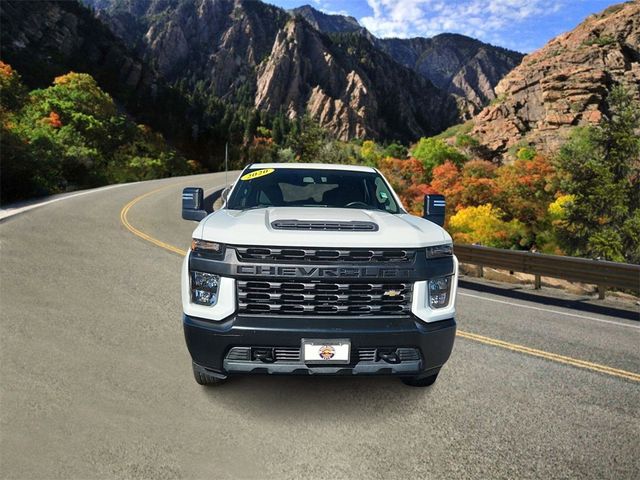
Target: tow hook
[[389, 357], [265, 355]]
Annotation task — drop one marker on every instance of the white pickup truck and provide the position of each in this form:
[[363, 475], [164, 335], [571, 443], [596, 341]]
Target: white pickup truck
[[317, 269]]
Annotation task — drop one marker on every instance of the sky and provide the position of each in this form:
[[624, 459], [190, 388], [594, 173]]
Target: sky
[[522, 25]]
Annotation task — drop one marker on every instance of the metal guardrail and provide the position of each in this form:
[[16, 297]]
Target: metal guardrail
[[596, 272]]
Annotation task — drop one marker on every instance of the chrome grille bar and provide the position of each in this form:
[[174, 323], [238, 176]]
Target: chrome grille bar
[[323, 298]]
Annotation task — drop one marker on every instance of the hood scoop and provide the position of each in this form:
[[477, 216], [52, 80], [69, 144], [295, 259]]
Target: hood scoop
[[325, 226]]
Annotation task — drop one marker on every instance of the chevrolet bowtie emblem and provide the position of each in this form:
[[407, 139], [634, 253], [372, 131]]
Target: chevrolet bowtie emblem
[[392, 293]]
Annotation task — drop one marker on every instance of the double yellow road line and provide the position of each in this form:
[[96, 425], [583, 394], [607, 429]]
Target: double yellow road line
[[554, 357], [139, 233]]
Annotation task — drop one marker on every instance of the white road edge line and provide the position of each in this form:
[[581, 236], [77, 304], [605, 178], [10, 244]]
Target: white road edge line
[[11, 211], [548, 310]]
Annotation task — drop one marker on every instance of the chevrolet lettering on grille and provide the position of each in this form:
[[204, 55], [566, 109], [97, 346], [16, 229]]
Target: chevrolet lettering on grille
[[322, 272]]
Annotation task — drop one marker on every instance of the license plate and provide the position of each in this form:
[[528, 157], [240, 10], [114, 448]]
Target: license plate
[[321, 351]]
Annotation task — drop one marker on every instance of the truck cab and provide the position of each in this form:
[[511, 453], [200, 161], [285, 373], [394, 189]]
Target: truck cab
[[313, 269]]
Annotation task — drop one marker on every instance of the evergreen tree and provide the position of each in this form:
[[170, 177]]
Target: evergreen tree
[[253, 121], [600, 168], [278, 132]]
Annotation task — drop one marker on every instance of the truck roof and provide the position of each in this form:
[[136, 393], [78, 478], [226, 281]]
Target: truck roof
[[314, 166]]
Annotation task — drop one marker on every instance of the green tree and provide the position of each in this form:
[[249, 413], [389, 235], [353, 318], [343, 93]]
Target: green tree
[[309, 143], [600, 169], [433, 152], [395, 150], [71, 135]]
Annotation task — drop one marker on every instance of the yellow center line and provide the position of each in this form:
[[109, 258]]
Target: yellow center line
[[554, 357], [139, 233], [596, 367]]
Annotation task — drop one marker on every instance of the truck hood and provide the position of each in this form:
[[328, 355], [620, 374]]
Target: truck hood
[[253, 227]]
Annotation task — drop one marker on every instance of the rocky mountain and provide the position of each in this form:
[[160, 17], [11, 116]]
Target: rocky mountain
[[564, 84], [459, 65], [328, 23], [218, 42], [210, 62], [349, 86], [252, 53]]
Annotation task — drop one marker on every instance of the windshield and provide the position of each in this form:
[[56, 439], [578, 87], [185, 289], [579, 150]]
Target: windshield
[[300, 187]]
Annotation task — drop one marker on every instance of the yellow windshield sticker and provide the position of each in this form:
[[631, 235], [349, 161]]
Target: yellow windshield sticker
[[257, 174]]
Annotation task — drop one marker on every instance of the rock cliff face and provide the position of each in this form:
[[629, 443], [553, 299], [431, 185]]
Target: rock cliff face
[[459, 65], [351, 89], [301, 74], [218, 42], [565, 83]]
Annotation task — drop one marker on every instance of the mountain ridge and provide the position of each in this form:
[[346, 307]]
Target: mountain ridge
[[564, 84], [459, 65], [223, 44]]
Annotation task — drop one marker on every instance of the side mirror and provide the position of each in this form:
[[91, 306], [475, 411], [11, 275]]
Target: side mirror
[[434, 208], [193, 204], [225, 194]]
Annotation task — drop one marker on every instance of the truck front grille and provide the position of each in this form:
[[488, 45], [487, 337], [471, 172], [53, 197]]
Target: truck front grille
[[323, 255], [323, 298]]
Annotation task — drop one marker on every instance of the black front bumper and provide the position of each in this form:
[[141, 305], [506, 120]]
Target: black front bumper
[[210, 343]]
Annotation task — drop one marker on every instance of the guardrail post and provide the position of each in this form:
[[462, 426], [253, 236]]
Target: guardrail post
[[537, 282], [601, 291], [480, 271]]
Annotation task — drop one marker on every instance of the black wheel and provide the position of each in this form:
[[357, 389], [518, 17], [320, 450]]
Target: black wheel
[[204, 378], [420, 381]]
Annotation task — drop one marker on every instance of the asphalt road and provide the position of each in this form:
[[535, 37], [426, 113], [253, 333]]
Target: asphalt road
[[96, 380]]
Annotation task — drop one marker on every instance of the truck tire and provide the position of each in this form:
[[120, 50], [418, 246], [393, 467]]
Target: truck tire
[[420, 381], [203, 378]]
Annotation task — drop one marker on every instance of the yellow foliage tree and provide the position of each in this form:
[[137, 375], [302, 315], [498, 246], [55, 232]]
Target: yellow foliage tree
[[484, 225], [558, 209], [371, 152]]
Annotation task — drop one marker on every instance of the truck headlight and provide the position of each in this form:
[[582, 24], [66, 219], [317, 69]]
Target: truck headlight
[[439, 289], [439, 251], [204, 248], [204, 288]]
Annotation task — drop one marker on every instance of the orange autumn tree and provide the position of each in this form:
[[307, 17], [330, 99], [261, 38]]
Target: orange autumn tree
[[478, 183], [447, 181], [473, 184], [526, 188], [521, 191], [407, 179]]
